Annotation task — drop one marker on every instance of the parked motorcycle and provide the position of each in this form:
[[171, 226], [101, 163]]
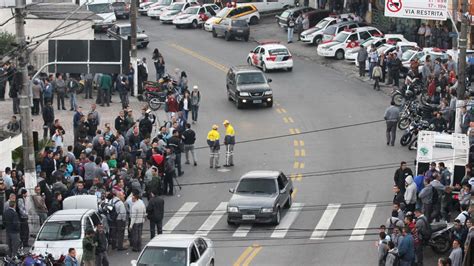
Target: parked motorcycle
[[441, 235], [412, 131], [408, 114], [410, 92], [414, 142]]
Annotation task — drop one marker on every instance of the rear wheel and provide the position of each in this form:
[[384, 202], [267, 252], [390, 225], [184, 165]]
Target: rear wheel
[[178, 26], [194, 24], [154, 104], [289, 69], [264, 67], [276, 220], [397, 99], [290, 201], [249, 61]]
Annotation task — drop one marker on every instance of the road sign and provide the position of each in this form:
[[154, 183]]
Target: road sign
[[417, 9]]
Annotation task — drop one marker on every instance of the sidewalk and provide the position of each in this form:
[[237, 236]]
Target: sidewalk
[[268, 29]]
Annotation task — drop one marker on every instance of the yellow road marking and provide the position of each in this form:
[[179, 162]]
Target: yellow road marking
[[292, 131], [294, 193], [297, 153], [297, 131], [285, 119], [301, 165], [291, 120], [243, 256], [252, 255], [299, 177], [303, 152], [296, 165], [200, 57], [292, 176], [301, 143], [296, 143], [278, 110], [283, 110]]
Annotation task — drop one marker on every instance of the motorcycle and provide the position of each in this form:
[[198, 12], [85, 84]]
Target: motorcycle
[[410, 92], [441, 235], [412, 131], [408, 114], [414, 142]]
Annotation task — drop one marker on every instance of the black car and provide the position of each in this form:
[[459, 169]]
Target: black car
[[248, 85], [232, 28], [282, 19], [120, 9]]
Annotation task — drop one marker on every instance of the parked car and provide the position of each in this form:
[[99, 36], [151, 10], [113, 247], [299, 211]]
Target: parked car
[[271, 56], [121, 9], [123, 32], [345, 40], [177, 249], [247, 85], [259, 197], [268, 5], [174, 10], [247, 12], [66, 228], [154, 10], [314, 35], [393, 40], [144, 6], [331, 31], [106, 13], [232, 28], [282, 19], [194, 16]]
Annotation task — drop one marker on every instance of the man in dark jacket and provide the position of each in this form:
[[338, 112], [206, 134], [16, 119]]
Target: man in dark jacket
[[102, 246], [155, 210], [48, 118], [400, 175], [189, 138], [361, 59], [12, 226], [176, 144]]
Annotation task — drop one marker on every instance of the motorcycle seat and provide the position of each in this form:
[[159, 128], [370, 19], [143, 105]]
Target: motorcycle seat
[[438, 226]]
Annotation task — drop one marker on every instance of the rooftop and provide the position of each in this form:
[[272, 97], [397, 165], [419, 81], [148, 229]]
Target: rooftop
[[59, 11]]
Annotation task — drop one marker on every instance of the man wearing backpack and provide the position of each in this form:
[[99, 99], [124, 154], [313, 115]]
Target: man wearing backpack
[[424, 230]]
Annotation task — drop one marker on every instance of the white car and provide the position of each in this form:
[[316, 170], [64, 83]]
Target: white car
[[271, 56], [174, 10], [194, 16], [314, 35], [177, 249], [154, 11], [143, 8], [346, 40], [351, 53]]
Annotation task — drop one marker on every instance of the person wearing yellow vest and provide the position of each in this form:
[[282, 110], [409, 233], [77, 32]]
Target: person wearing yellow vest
[[229, 142], [213, 141]]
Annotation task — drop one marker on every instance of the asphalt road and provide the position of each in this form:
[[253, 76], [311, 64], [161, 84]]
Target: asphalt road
[[320, 102]]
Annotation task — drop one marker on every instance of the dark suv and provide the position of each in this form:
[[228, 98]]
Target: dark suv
[[247, 85], [121, 9], [231, 28]]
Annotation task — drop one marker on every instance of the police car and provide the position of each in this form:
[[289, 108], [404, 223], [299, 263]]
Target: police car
[[270, 55], [345, 40], [195, 16]]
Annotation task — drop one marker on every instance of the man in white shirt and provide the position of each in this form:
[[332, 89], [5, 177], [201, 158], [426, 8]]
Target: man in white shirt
[[137, 218], [7, 179]]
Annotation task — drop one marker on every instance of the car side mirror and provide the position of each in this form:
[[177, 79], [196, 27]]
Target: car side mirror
[[231, 190], [283, 191], [133, 262], [269, 80]]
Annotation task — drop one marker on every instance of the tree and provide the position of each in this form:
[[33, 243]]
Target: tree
[[6, 42]]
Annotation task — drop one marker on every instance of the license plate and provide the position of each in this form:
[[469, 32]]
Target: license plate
[[248, 217], [240, 31], [257, 101]]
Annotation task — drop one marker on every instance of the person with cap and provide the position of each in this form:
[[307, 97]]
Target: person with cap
[[229, 142], [213, 141], [195, 99]]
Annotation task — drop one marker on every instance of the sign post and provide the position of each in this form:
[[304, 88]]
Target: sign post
[[418, 9]]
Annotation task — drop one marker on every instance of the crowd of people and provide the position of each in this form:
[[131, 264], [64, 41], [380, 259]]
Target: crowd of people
[[128, 165]]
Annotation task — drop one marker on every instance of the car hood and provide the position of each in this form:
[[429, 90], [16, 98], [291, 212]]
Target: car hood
[[184, 16], [329, 44], [142, 36], [106, 17], [311, 31], [170, 13], [253, 87], [157, 8], [248, 200], [212, 20], [146, 4]]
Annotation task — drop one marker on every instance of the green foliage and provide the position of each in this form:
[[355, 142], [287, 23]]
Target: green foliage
[[6, 41]]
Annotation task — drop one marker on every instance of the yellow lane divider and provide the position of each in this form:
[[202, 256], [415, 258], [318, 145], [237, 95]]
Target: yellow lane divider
[[248, 255], [293, 195], [205, 59]]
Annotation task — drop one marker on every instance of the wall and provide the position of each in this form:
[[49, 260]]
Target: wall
[[8, 145]]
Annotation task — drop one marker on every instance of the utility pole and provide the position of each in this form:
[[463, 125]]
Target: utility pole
[[465, 21], [25, 105], [455, 21], [133, 43]]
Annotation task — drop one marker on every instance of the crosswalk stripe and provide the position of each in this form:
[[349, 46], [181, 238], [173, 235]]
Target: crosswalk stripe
[[363, 222], [242, 231], [212, 220], [282, 229], [325, 222], [174, 221]]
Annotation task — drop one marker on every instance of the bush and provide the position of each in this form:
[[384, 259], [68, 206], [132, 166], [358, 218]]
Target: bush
[[6, 41]]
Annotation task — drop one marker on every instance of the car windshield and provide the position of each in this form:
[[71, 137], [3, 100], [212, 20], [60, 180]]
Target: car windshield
[[191, 10], [163, 256], [176, 6], [99, 8], [323, 23], [223, 12], [257, 185], [127, 30], [279, 51], [331, 30], [285, 14], [164, 2], [341, 37], [239, 23], [60, 230], [250, 78], [407, 55]]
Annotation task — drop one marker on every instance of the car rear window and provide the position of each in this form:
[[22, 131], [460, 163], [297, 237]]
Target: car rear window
[[279, 51], [60, 230], [285, 14], [239, 23], [257, 185]]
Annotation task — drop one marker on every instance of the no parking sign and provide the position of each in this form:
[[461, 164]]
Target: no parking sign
[[418, 9]]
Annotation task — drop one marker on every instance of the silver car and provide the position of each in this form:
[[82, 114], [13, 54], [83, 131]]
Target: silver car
[[259, 198]]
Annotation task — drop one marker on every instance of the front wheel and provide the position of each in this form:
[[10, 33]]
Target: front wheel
[[276, 220], [289, 69], [397, 98], [264, 67], [289, 202], [413, 144], [154, 104], [340, 54], [405, 139], [404, 123], [317, 41]]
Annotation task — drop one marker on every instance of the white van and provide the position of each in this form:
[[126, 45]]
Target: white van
[[67, 228], [104, 10], [268, 5]]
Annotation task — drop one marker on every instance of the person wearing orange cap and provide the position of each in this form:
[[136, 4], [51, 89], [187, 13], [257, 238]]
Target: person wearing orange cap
[[214, 146], [229, 142]]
